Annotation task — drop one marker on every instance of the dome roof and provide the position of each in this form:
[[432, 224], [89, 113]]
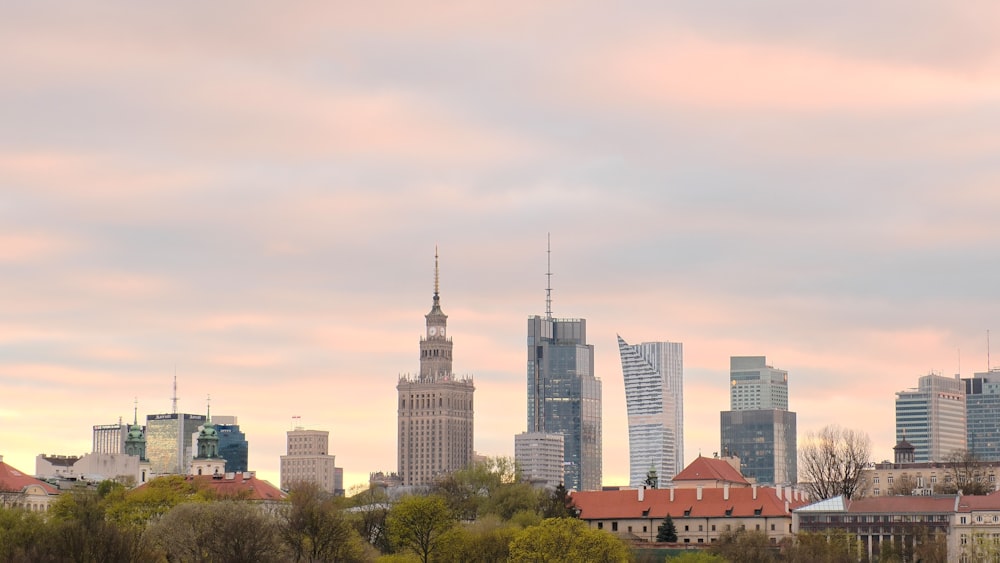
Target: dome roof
[[135, 433], [208, 431]]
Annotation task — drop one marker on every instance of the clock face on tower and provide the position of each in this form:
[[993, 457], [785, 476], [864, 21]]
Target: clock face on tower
[[432, 331]]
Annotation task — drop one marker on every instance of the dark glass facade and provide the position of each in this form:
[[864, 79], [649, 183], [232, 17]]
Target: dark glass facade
[[233, 447], [982, 412], [765, 442], [564, 396]]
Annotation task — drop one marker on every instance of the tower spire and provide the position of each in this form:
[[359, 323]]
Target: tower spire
[[548, 276], [174, 398], [436, 276], [135, 412], [208, 409]]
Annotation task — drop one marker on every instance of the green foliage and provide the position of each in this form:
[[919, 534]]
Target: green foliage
[[832, 546], [492, 486], [230, 531], [559, 504], [667, 532], [23, 535], [315, 527], [486, 540], [566, 539], [418, 523], [696, 557], [137, 508], [746, 546], [371, 510]]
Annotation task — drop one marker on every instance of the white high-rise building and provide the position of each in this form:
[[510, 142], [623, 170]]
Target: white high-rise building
[[932, 417], [539, 455], [754, 385], [654, 397], [309, 460]]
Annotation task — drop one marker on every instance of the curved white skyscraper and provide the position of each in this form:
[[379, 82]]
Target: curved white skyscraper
[[654, 396]]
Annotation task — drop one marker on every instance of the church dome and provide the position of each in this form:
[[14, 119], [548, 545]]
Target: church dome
[[135, 432]]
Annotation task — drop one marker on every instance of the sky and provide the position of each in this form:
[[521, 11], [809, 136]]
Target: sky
[[249, 196]]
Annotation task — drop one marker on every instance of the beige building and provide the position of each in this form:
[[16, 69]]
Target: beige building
[[435, 408], [24, 491], [708, 498], [308, 460], [905, 477]]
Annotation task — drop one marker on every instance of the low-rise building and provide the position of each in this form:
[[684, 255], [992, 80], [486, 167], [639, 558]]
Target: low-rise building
[[18, 489], [705, 500], [970, 525]]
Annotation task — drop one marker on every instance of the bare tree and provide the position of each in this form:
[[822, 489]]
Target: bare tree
[[831, 462], [903, 486], [965, 474]]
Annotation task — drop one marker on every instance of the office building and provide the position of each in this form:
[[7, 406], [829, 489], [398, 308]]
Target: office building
[[982, 415], [539, 455], [233, 447], [170, 441], [110, 438], [564, 395], [654, 397], [931, 417], [308, 459], [759, 429], [435, 407]]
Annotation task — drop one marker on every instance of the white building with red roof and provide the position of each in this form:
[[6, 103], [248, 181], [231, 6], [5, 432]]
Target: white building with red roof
[[18, 489]]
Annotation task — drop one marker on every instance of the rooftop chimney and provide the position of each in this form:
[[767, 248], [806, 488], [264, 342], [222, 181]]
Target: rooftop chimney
[[754, 487], [642, 492], [671, 494], [699, 492], [725, 492]]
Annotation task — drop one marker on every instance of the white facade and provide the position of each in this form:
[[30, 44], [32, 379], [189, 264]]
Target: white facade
[[89, 467], [932, 417], [539, 455], [754, 385], [654, 396]]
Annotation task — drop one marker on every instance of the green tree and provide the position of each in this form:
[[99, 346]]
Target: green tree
[[487, 540], [566, 539], [80, 531], [667, 532], [316, 528], [417, 523], [746, 546], [831, 546], [371, 508], [696, 557], [559, 504], [23, 535], [136, 508], [224, 531]]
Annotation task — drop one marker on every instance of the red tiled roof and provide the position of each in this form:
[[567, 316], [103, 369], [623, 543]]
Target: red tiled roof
[[968, 503], [12, 480], [238, 487], [708, 468], [604, 505], [903, 504]]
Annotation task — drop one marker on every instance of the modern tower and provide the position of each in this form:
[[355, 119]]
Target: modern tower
[[654, 397], [169, 442], [308, 459], [435, 407], [932, 417], [759, 428], [982, 413], [564, 396]]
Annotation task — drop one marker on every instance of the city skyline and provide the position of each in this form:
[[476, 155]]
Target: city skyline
[[248, 199]]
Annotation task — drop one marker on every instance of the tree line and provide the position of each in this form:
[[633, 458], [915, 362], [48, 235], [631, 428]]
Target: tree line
[[483, 513]]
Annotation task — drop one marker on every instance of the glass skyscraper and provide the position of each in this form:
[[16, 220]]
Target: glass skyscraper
[[233, 447], [654, 397], [564, 396], [982, 415], [759, 428], [170, 442]]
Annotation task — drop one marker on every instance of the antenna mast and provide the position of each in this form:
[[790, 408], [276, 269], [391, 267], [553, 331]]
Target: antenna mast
[[548, 275], [174, 398]]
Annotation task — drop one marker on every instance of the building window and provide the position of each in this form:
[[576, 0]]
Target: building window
[[876, 491], [889, 479], [963, 522], [701, 540], [713, 527], [685, 527], [614, 526], [600, 525], [772, 527], [875, 480], [701, 527]]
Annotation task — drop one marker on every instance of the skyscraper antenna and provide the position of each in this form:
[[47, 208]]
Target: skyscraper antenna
[[548, 275], [135, 412], [989, 366], [436, 276], [174, 398]]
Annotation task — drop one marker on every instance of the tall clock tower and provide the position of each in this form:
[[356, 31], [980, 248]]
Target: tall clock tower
[[435, 346], [435, 407]]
